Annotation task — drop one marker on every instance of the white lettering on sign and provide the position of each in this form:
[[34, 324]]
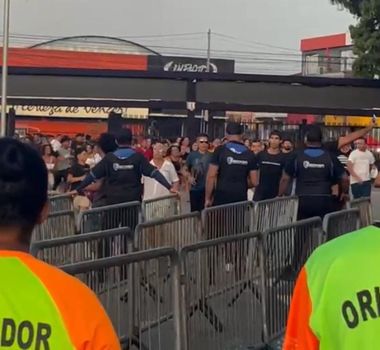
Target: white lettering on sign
[[189, 67]]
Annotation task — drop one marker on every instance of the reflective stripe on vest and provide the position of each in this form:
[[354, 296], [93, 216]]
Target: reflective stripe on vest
[[29, 318], [343, 279]]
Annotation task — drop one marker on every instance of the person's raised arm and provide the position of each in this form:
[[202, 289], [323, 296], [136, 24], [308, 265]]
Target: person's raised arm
[[348, 139]]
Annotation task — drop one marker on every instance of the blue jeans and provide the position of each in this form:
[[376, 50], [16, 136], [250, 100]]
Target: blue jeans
[[361, 190]]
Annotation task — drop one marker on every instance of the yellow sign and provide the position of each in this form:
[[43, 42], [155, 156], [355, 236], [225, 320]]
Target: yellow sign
[[332, 120], [80, 112]]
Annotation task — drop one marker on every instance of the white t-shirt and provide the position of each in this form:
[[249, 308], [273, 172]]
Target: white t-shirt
[[153, 189], [362, 162]]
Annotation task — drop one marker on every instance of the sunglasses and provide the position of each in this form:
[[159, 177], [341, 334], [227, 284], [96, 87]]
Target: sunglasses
[[203, 141]]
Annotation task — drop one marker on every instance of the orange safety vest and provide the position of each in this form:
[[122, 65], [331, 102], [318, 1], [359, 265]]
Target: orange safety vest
[[43, 308], [336, 301]]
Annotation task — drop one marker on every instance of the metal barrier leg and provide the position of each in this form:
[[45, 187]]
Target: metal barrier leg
[[247, 285], [208, 312]]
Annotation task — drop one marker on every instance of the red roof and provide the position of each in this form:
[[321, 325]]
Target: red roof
[[324, 42], [43, 58]]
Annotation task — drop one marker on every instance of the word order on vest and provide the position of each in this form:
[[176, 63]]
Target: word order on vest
[[368, 307], [24, 335]]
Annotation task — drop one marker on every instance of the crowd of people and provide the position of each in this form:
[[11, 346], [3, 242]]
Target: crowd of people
[[117, 168], [210, 172]]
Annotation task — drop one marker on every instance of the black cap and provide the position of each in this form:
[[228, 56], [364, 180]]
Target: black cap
[[124, 136], [234, 128]]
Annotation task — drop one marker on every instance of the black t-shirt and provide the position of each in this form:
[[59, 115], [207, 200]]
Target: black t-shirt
[[122, 171], [270, 168], [316, 170], [235, 162], [78, 170]]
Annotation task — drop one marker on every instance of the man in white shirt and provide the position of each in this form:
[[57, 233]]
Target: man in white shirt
[[153, 189], [360, 163]]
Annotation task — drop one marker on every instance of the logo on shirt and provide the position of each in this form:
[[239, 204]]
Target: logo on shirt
[[117, 166], [270, 163], [307, 164], [231, 161]]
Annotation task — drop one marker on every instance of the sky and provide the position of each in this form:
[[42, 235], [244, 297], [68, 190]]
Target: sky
[[249, 31]]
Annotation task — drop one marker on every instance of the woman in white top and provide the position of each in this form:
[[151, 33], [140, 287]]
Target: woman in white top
[[50, 161], [153, 189]]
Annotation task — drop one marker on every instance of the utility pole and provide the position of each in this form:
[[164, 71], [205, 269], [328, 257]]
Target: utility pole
[[208, 50], [206, 117], [4, 73]]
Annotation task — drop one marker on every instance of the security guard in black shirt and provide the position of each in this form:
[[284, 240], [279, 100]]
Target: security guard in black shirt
[[231, 166], [317, 173], [121, 172]]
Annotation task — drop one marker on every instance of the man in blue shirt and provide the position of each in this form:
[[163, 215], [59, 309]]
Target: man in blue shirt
[[197, 164]]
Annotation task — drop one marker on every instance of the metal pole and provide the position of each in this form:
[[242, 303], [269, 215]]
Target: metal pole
[[208, 50], [4, 73], [205, 114]]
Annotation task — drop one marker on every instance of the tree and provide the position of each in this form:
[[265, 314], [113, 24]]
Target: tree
[[365, 36]]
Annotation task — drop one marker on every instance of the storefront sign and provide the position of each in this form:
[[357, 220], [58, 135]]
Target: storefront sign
[[189, 64], [80, 112], [332, 120]]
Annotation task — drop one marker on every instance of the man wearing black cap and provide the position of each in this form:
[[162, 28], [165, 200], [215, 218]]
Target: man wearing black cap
[[122, 171], [231, 166], [317, 172]]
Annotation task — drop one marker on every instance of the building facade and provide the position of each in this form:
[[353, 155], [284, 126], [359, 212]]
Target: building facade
[[328, 56]]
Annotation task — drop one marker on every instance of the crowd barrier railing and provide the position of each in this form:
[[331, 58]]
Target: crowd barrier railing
[[141, 294], [222, 293], [225, 220], [276, 212], [59, 224], [285, 250], [177, 232], [341, 222], [365, 210], [84, 247], [61, 203], [229, 292], [110, 217], [160, 208]]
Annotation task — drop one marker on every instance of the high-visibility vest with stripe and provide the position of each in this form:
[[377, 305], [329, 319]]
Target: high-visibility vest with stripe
[[42, 308], [336, 302]]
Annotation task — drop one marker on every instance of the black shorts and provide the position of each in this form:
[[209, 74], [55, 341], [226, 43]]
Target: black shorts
[[311, 206]]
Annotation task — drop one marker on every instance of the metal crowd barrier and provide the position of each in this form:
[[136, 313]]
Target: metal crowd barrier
[[110, 217], [365, 209], [61, 203], [59, 224], [177, 232], [160, 208], [222, 293], [341, 222], [227, 220], [146, 315], [285, 251], [276, 212], [84, 247]]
